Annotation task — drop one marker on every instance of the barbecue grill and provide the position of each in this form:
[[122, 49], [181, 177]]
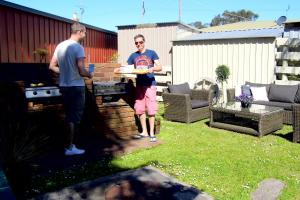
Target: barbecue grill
[[48, 95], [110, 91]]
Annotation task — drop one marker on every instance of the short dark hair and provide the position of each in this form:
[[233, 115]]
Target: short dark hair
[[77, 27], [139, 36]]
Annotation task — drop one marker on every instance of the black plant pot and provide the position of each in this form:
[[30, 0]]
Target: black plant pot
[[245, 104]]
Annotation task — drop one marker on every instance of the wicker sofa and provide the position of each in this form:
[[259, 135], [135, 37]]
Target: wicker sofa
[[183, 104], [285, 96]]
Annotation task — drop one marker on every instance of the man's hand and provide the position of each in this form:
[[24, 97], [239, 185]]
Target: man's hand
[[150, 70]]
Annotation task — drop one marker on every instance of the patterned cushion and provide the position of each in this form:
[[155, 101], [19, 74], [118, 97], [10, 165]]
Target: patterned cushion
[[283, 93], [180, 88], [246, 90]]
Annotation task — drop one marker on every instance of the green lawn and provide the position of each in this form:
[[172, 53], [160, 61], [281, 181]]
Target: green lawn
[[224, 164]]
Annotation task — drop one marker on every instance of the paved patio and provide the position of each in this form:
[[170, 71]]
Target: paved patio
[[141, 184]]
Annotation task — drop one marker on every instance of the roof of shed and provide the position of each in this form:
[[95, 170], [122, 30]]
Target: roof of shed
[[255, 33], [159, 24], [248, 25], [37, 12]]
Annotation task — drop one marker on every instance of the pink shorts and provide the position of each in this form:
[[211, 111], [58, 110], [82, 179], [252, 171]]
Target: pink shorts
[[145, 100]]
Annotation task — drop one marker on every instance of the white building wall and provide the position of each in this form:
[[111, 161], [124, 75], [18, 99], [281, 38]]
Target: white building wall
[[248, 60], [157, 38]]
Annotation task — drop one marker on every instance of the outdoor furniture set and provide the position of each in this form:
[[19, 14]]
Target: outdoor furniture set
[[286, 97], [272, 106]]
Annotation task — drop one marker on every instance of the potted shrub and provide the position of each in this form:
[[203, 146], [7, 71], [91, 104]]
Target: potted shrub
[[222, 73]]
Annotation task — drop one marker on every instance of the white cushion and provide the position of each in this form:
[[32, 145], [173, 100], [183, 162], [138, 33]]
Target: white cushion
[[238, 90], [259, 93]]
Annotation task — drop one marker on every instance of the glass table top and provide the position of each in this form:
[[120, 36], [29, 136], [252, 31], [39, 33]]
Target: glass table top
[[255, 108]]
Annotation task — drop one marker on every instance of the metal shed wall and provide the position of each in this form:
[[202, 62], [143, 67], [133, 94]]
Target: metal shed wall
[[23, 32], [158, 38], [250, 59]]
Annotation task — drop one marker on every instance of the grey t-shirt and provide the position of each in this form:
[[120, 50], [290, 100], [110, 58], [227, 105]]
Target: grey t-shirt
[[67, 53]]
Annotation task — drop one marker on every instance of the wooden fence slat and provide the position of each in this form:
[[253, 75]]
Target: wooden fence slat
[[288, 56], [287, 70]]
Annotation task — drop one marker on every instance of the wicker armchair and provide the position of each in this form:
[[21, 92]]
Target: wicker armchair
[[178, 107]]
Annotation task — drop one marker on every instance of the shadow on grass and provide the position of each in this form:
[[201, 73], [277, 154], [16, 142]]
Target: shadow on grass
[[32, 145], [287, 136]]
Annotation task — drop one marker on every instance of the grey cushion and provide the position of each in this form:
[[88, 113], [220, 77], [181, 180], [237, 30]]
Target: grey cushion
[[297, 96], [199, 103], [246, 90], [180, 89], [283, 93], [259, 85], [284, 105]]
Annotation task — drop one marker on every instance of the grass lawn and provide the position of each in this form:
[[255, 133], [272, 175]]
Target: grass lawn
[[224, 164]]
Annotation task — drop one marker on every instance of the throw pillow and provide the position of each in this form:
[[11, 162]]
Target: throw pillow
[[259, 93], [259, 85], [283, 93], [183, 88], [246, 90], [238, 90]]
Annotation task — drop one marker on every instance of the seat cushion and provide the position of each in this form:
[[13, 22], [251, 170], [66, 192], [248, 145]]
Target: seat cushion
[[283, 93], [199, 103], [259, 85], [297, 96], [183, 88], [284, 105]]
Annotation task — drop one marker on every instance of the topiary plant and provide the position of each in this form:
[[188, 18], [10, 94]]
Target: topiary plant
[[222, 72]]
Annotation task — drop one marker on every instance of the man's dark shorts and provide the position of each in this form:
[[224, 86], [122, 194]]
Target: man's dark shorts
[[74, 102]]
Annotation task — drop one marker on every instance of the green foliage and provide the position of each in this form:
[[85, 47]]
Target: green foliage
[[114, 58], [198, 24], [222, 73], [228, 17], [41, 52]]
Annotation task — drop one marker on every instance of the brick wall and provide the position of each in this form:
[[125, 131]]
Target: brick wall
[[115, 118]]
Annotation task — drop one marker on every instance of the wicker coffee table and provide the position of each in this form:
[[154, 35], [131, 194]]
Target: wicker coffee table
[[257, 120]]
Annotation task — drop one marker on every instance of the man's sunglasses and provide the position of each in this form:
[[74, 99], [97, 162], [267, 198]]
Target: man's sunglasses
[[140, 42]]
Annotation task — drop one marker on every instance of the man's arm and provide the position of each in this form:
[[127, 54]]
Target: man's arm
[[82, 71], [54, 65], [157, 67]]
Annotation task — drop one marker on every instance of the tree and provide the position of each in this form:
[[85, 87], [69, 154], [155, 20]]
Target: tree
[[231, 17], [198, 24]]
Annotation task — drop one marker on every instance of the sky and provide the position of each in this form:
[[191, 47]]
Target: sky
[[108, 14]]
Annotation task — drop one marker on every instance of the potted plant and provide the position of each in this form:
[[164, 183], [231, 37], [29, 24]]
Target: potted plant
[[246, 100], [222, 73], [42, 53]]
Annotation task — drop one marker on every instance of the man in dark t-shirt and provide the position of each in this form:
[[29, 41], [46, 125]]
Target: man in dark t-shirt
[[145, 59]]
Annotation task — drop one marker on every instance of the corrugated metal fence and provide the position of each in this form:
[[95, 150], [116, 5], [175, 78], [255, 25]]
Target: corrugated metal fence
[[23, 32], [248, 59]]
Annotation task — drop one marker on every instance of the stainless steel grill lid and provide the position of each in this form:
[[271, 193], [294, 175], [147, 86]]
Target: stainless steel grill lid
[[42, 92], [110, 87]]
